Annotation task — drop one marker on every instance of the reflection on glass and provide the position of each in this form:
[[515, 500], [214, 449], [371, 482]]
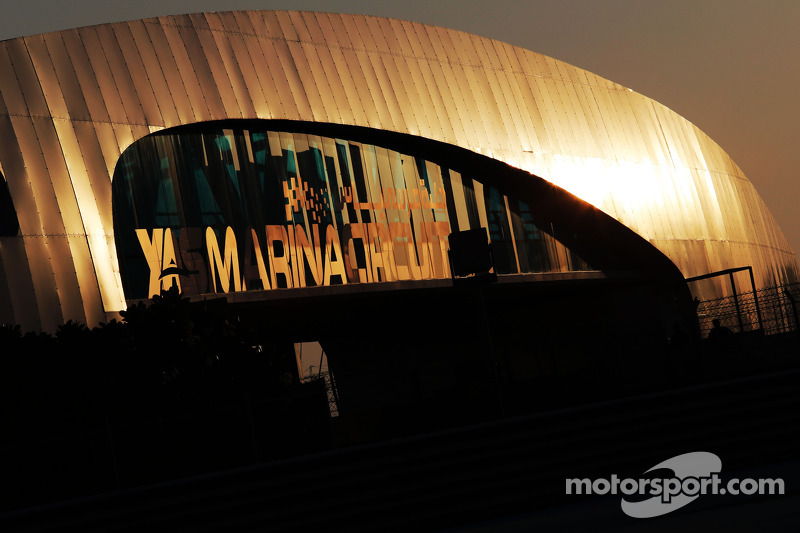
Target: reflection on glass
[[221, 209]]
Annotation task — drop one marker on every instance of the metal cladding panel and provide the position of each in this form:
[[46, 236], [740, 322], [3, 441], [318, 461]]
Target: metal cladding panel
[[96, 172], [102, 76], [75, 58], [33, 101], [71, 102], [161, 62], [224, 64], [10, 92], [20, 307], [143, 85], [46, 217], [119, 76], [68, 282], [46, 294], [65, 88]]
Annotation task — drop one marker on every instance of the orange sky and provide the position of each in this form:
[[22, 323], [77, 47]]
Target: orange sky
[[732, 67]]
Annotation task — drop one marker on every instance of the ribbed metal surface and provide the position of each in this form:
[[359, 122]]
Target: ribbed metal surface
[[72, 101]]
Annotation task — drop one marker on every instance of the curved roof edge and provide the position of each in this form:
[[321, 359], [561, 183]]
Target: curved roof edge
[[72, 101]]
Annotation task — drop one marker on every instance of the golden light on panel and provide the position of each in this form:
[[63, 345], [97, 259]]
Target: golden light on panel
[[74, 101]]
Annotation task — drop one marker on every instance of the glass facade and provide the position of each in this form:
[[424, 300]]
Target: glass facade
[[219, 209]]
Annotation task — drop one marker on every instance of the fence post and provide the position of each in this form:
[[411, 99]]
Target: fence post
[[736, 301], [755, 298], [779, 317]]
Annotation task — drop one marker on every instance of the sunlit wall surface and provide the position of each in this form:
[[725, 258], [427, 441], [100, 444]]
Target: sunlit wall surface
[[303, 211], [71, 102]]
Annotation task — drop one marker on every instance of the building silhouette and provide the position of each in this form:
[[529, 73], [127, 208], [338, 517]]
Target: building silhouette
[[310, 168]]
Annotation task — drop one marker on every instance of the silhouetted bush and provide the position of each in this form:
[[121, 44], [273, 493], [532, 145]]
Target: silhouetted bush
[[174, 389], [165, 358]]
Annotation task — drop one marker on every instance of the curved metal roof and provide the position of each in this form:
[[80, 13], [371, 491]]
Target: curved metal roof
[[72, 101]]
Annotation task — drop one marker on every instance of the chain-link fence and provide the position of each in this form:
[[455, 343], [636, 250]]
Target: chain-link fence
[[770, 310], [330, 388]]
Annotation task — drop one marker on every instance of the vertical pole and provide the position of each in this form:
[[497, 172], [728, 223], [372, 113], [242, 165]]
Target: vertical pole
[[736, 301], [782, 323], [755, 299]]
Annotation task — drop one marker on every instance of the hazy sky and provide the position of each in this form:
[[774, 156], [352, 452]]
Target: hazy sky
[[732, 67]]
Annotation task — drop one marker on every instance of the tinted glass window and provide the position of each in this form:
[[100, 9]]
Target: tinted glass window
[[225, 208]]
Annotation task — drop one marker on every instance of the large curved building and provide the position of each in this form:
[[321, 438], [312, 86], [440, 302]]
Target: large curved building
[[262, 152]]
